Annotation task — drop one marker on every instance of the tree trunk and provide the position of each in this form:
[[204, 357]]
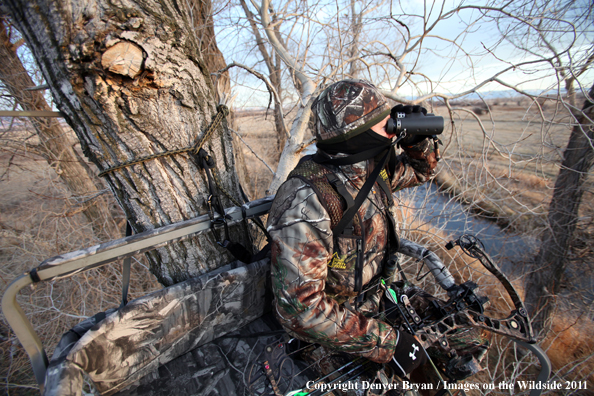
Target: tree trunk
[[131, 82], [279, 124], [56, 144], [543, 283], [275, 72], [203, 26], [273, 64], [305, 86], [355, 31]]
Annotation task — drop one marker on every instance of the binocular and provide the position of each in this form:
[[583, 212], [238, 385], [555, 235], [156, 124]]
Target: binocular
[[414, 124]]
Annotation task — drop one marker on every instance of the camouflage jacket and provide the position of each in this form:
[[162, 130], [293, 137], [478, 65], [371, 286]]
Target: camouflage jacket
[[313, 273]]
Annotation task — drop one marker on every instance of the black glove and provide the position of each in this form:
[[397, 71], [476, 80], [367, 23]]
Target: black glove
[[409, 140], [409, 354]]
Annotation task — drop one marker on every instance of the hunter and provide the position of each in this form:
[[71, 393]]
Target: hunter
[[326, 266]]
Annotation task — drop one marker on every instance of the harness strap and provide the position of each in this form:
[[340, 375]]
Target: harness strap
[[363, 193], [206, 162], [126, 271], [381, 181], [323, 158], [393, 236], [341, 189], [222, 112], [237, 250]]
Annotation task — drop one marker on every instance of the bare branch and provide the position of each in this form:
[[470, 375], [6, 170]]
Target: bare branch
[[252, 150], [270, 87]]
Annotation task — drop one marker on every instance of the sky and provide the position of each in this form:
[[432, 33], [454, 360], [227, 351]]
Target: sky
[[478, 54]]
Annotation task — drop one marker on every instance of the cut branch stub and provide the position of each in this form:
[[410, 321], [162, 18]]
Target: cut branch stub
[[124, 58]]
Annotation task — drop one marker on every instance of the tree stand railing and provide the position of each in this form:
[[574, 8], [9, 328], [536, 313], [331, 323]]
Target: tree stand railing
[[79, 261]]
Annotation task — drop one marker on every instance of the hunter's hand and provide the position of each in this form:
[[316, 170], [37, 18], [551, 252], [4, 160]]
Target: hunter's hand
[[409, 354]]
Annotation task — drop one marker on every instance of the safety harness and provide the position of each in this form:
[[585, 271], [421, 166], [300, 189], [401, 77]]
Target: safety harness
[[340, 205]]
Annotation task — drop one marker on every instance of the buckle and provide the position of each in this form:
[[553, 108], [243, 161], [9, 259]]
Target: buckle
[[210, 209]]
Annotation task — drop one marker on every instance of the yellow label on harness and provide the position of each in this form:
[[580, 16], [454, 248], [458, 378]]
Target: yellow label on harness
[[384, 174], [337, 262]]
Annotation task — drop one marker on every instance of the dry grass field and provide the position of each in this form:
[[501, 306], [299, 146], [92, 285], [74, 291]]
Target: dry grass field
[[505, 171], [508, 167]]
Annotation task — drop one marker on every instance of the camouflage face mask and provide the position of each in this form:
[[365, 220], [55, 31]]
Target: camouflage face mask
[[362, 142]]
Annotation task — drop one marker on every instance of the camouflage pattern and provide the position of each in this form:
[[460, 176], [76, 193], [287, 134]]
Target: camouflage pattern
[[313, 278], [347, 108], [154, 329], [439, 271], [64, 377], [316, 176], [229, 366]]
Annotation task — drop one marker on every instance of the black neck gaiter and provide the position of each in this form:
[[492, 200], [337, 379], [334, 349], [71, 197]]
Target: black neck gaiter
[[360, 143], [364, 141]]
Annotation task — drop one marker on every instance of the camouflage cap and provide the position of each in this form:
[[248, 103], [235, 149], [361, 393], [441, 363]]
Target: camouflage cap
[[347, 108]]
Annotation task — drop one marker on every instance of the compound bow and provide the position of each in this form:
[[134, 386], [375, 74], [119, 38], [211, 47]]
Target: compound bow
[[464, 309]]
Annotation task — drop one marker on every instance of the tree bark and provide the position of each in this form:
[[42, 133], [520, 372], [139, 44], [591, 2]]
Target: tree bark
[[56, 145], [279, 122], [544, 281], [131, 82], [203, 27]]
